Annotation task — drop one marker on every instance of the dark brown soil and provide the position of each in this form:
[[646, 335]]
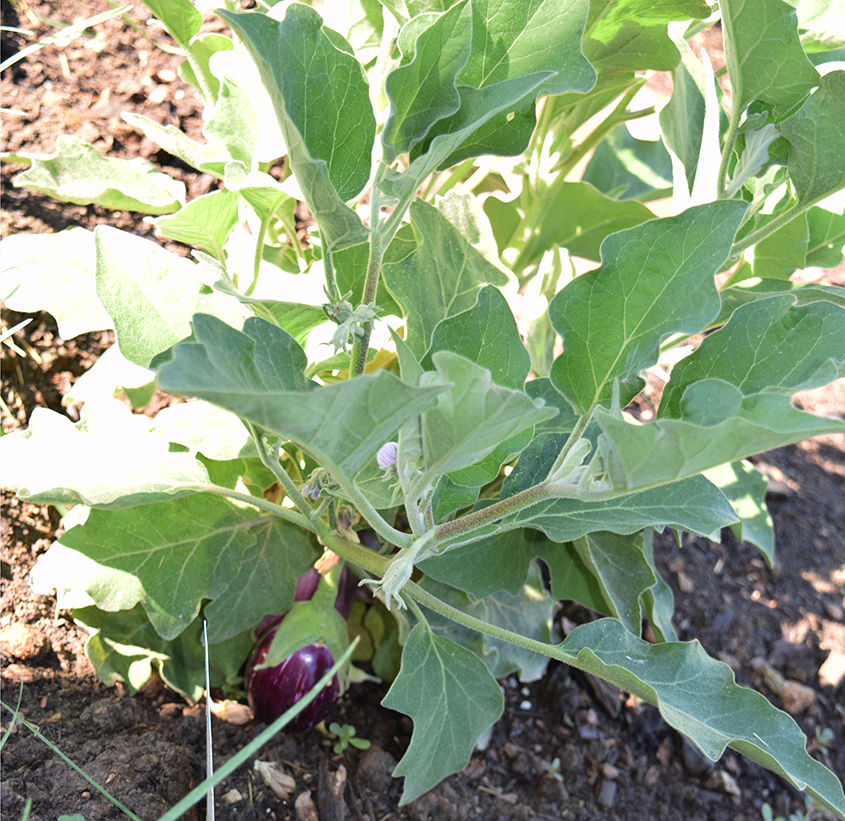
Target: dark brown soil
[[617, 761]]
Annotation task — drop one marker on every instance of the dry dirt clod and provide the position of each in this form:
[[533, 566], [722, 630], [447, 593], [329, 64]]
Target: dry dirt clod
[[23, 641]]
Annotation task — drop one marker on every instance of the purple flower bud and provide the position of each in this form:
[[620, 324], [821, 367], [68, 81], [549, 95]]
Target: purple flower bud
[[386, 455]]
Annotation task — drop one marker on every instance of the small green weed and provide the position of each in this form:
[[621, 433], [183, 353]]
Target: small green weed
[[345, 734]]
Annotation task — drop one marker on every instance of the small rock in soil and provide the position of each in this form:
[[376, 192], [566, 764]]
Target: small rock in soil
[[375, 770], [833, 669], [23, 641]]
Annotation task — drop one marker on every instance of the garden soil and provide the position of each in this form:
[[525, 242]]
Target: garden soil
[[568, 747]]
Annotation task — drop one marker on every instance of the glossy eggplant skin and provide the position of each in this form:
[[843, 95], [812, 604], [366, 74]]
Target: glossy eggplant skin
[[274, 690]]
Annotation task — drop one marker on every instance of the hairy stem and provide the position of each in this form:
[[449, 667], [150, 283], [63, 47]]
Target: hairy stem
[[513, 504]]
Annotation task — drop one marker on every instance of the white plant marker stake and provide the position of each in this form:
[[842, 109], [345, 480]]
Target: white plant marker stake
[[209, 755]]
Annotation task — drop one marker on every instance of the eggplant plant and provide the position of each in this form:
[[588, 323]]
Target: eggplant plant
[[422, 385]]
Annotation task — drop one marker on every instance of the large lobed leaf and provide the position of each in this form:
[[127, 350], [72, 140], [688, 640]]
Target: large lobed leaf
[[655, 280], [172, 556], [259, 375], [452, 698], [699, 697], [109, 459], [299, 62], [77, 173]]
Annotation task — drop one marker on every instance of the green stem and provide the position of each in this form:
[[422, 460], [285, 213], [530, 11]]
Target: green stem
[[270, 458], [262, 504], [361, 346], [770, 227], [376, 521], [331, 279], [730, 139], [258, 254], [414, 591], [570, 443], [535, 217], [356, 554], [513, 504]]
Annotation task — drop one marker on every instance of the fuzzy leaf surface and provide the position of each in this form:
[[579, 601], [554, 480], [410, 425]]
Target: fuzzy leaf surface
[[699, 697], [203, 223], [717, 425], [655, 280], [298, 63], [124, 647], [747, 353], [77, 173], [259, 375], [170, 556], [422, 90], [816, 133], [152, 294], [765, 58], [439, 279], [473, 417], [55, 461], [54, 273], [451, 697]]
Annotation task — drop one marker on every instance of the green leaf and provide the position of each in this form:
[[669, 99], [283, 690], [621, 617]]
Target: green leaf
[[422, 90], [300, 62], [699, 697], [170, 556], [655, 280], [752, 291], [123, 647], [111, 375], [513, 40], [258, 374], [584, 217], [472, 418], [108, 459], [748, 352], [498, 563], [207, 157], [294, 318], [527, 612], [632, 167], [452, 699], [203, 47], [717, 425], [181, 18], [611, 566], [820, 24], [827, 238], [564, 520], [281, 552], [779, 254], [152, 294], [77, 173], [244, 119], [204, 223], [621, 37], [764, 56], [658, 601], [463, 134], [817, 136], [745, 489], [54, 273], [487, 335], [439, 279]]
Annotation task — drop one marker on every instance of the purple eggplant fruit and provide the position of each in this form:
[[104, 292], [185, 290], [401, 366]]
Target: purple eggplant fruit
[[273, 690]]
